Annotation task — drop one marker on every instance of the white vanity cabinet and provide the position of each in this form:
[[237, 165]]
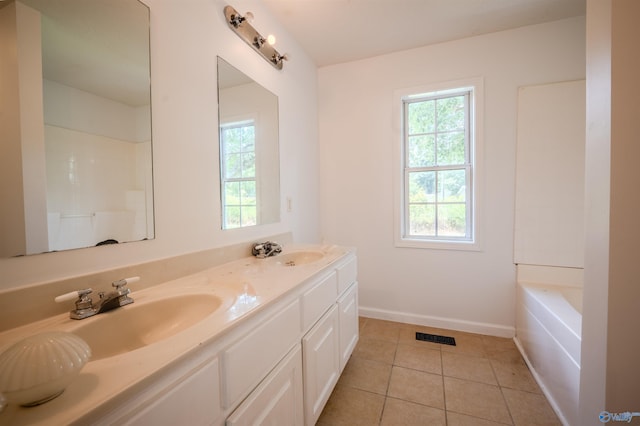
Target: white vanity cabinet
[[278, 366], [328, 345], [305, 378]]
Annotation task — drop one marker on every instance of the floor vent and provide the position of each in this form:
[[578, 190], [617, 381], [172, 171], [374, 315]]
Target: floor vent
[[444, 340]]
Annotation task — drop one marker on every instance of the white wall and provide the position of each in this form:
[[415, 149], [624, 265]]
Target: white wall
[[597, 195], [459, 289], [623, 375], [82, 111], [186, 37], [549, 212], [610, 378]]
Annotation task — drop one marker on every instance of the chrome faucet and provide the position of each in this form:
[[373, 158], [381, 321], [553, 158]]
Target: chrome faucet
[[266, 249], [114, 299]]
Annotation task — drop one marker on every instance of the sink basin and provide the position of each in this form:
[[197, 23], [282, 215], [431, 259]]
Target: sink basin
[[134, 326], [296, 258]]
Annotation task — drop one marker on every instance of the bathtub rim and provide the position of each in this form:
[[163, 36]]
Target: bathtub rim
[[545, 293]]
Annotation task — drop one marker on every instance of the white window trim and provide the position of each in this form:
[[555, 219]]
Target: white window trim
[[476, 147]]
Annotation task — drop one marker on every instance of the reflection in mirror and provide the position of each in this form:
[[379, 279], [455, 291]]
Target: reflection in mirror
[[249, 156], [76, 117]]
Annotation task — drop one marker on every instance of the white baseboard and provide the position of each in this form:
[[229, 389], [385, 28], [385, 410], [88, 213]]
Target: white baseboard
[[439, 322]]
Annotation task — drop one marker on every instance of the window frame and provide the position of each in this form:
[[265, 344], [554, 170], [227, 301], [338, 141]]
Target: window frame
[[473, 164]]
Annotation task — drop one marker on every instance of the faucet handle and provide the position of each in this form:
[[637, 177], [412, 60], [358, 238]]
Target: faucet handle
[[81, 294], [84, 304], [123, 291], [123, 282]]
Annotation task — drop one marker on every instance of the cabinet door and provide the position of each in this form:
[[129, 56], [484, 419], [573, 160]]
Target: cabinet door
[[320, 349], [348, 307], [277, 401], [193, 400]]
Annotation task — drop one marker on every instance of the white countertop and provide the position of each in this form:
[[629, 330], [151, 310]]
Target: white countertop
[[245, 287]]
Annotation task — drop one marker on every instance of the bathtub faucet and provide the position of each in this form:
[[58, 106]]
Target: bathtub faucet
[[266, 249]]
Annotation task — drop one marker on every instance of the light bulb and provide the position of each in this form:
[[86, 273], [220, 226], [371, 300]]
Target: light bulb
[[271, 39]]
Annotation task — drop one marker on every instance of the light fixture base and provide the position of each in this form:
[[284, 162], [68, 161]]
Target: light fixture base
[[241, 26]]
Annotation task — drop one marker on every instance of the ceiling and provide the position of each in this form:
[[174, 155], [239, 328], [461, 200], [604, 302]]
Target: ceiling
[[335, 31]]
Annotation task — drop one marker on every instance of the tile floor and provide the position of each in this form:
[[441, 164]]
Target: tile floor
[[393, 379]]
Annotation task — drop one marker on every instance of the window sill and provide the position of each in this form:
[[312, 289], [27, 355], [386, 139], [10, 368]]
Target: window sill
[[438, 245]]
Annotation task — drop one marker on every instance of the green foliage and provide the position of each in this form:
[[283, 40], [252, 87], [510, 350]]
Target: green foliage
[[239, 159]]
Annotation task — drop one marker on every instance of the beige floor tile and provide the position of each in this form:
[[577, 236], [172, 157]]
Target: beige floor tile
[[466, 343], [381, 330], [476, 399], [496, 346], [368, 375], [515, 375], [528, 409], [351, 407], [416, 386], [468, 367], [457, 419], [498, 342], [418, 358], [508, 355], [376, 350], [402, 413]]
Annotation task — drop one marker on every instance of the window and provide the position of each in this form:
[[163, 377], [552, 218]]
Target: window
[[437, 205], [238, 174]]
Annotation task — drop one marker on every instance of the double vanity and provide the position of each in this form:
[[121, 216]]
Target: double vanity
[[250, 341]]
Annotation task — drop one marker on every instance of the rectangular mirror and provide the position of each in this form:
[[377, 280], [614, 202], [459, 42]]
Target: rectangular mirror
[[76, 117], [249, 155]]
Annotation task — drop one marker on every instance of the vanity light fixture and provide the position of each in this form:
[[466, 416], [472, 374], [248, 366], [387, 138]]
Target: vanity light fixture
[[236, 19], [264, 46]]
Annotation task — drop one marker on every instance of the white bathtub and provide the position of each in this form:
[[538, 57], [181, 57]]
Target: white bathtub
[[549, 336]]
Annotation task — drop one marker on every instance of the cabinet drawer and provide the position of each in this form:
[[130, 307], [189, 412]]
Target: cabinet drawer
[[347, 274], [248, 361], [317, 300], [278, 399]]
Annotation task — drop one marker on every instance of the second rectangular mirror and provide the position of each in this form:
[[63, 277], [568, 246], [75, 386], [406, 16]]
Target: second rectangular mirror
[[249, 155]]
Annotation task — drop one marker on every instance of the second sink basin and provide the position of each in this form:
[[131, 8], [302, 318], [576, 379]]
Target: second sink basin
[[134, 326], [295, 258]]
